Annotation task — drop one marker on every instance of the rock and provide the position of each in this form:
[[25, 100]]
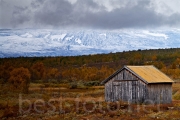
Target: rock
[[4, 118], [24, 116], [84, 118], [170, 108]]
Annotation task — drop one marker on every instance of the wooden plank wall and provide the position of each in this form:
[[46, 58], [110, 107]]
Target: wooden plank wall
[[127, 87], [160, 93]]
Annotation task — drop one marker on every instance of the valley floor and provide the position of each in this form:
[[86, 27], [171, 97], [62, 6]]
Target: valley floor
[[52, 103]]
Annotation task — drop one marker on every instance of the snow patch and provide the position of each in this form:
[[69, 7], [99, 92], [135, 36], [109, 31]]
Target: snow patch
[[69, 38], [58, 37], [78, 41], [47, 36], [103, 34], [140, 35], [27, 35], [156, 34]]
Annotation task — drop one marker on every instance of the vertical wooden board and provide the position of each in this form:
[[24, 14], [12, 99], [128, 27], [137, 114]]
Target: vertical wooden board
[[109, 90], [129, 95], [106, 92], [115, 92], [123, 91], [139, 97], [146, 92], [128, 91], [125, 75], [160, 93], [126, 97], [131, 89], [138, 91], [119, 89]]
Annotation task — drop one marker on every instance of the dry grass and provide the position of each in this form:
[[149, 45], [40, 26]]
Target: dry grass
[[80, 104], [176, 91]]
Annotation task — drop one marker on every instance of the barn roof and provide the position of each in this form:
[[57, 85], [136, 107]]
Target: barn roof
[[149, 74]]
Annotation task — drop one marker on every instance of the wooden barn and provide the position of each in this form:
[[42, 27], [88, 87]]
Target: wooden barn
[[138, 84]]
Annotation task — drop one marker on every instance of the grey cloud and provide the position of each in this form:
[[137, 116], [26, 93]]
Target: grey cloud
[[89, 14], [62, 13], [81, 15], [136, 16], [13, 14], [37, 4], [55, 13], [20, 15], [173, 20]]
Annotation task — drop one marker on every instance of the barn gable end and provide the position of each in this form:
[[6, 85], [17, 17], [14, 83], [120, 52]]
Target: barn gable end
[[127, 85]]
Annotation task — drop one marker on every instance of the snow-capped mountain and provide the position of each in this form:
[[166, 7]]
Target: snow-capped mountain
[[30, 42]]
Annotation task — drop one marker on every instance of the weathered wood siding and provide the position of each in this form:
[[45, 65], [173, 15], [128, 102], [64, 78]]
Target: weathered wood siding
[[160, 92], [108, 91], [126, 86]]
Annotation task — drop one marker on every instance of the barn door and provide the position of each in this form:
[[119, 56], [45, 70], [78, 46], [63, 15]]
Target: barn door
[[116, 91], [125, 90]]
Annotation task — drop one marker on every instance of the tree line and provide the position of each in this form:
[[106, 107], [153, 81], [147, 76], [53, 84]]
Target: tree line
[[19, 72]]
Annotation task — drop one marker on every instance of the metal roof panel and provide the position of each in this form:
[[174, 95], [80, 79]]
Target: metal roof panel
[[150, 74]]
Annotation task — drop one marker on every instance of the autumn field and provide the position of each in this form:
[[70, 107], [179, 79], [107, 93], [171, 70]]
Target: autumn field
[[59, 101], [68, 88]]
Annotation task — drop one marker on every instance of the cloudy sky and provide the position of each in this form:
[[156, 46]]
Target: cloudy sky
[[90, 14]]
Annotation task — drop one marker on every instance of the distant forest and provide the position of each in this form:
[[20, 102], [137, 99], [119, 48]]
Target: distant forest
[[87, 67]]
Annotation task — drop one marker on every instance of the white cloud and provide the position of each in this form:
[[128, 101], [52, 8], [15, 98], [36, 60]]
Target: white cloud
[[165, 7], [72, 1], [114, 4]]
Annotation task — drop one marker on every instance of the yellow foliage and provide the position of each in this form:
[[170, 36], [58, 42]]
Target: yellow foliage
[[20, 79]]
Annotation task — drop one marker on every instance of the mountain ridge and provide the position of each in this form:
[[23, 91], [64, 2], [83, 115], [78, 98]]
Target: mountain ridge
[[46, 42]]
